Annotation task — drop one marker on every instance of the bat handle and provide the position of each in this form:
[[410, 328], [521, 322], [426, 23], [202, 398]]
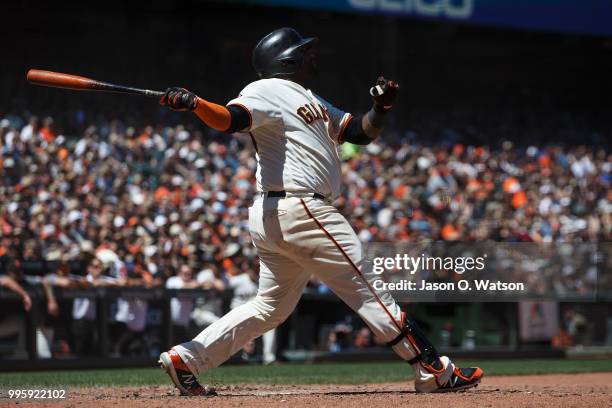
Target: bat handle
[[104, 86], [153, 94]]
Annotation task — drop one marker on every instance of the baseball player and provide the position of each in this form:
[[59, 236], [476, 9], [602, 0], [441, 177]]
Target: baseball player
[[296, 230]]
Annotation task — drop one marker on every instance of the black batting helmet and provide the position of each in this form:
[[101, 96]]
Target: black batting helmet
[[280, 53]]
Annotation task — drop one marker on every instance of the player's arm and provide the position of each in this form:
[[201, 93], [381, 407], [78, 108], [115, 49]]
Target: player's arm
[[363, 129], [227, 119]]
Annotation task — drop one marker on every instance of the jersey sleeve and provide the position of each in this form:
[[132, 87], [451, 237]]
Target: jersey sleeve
[[257, 100], [339, 119]]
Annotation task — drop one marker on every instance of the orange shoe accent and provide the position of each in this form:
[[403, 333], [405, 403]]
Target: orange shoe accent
[[432, 370], [177, 362]]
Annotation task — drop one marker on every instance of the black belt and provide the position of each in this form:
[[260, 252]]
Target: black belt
[[283, 194]]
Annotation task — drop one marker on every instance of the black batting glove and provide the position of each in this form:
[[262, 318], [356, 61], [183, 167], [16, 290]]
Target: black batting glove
[[179, 99], [384, 94]]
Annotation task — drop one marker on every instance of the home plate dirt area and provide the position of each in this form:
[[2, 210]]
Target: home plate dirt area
[[552, 390]]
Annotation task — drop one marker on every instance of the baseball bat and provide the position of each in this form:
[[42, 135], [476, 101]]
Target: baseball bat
[[79, 83]]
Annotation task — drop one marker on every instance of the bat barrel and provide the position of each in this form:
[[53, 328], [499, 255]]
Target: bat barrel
[[79, 83], [59, 80]]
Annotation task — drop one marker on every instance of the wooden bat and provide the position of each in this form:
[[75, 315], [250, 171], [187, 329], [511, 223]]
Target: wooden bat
[[79, 83]]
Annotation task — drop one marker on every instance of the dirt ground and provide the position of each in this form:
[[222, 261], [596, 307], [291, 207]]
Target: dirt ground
[[567, 390]]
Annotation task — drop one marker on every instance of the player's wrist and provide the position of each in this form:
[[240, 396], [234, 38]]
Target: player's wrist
[[375, 118], [195, 103], [381, 108]]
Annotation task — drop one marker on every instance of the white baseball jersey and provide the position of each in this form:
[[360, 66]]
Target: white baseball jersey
[[296, 135]]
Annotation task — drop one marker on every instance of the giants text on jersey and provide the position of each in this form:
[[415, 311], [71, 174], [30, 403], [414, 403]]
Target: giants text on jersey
[[296, 134]]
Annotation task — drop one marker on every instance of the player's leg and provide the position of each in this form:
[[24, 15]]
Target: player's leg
[[281, 282], [274, 302], [337, 262]]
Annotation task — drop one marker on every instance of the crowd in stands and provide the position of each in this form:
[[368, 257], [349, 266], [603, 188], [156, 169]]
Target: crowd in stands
[[168, 205]]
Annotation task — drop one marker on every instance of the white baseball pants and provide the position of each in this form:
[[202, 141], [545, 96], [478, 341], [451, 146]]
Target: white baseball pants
[[296, 238]]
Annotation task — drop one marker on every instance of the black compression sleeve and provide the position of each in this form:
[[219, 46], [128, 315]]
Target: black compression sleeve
[[241, 118], [354, 132]]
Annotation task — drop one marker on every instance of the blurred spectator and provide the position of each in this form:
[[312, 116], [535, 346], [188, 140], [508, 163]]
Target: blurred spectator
[[84, 327], [245, 287], [209, 308], [577, 327], [46, 333], [363, 338], [181, 308], [11, 315], [332, 343], [446, 334], [130, 313], [12, 285], [339, 338]]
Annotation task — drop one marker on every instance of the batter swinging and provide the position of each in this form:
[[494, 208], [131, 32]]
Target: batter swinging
[[296, 230]]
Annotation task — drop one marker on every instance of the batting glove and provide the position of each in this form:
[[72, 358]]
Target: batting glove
[[384, 93], [179, 99]]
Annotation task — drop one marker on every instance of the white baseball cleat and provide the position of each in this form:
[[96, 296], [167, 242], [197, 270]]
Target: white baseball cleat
[[181, 376], [462, 379]]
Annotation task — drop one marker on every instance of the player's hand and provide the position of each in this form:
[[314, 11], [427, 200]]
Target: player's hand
[[384, 93], [179, 99]]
